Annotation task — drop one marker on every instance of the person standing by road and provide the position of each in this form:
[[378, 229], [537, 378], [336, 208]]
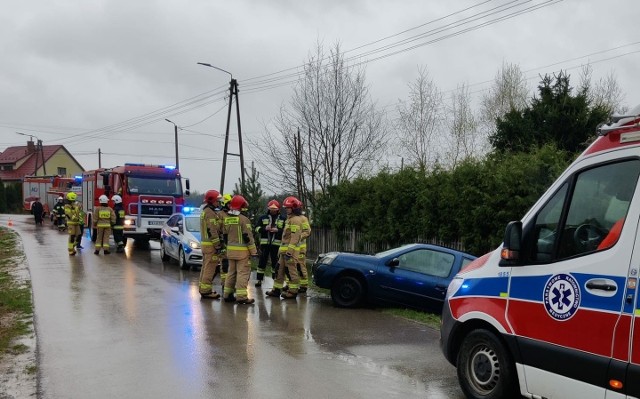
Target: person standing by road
[[106, 218], [302, 258], [118, 228], [73, 221], [57, 214], [81, 218], [37, 210], [269, 229], [238, 237], [210, 226], [289, 251]]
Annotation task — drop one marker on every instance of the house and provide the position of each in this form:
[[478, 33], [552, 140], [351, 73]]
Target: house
[[36, 159]]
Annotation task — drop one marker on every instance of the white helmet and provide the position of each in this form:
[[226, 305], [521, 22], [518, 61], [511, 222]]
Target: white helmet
[[116, 199], [103, 199], [60, 199]]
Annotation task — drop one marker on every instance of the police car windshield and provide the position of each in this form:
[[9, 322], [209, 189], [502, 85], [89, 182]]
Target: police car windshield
[[153, 186]]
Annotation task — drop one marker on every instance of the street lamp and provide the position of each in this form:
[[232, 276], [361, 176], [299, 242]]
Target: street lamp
[[39, 152], [175, 129], [233, 91]]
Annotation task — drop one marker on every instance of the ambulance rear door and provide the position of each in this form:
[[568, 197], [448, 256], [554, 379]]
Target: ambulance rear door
[[570, 305]]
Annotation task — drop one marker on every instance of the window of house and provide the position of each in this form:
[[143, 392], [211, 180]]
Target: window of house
[[62, 171]]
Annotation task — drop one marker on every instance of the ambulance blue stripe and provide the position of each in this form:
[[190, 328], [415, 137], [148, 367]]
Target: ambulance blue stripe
[[484, 286], [531, 288]]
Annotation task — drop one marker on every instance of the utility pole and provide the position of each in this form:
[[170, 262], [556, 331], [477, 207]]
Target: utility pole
[[233, 92], [99, 158], [175, 130], [41, 151]]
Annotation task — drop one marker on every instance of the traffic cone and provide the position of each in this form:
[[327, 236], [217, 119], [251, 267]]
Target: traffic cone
[[10, 223]]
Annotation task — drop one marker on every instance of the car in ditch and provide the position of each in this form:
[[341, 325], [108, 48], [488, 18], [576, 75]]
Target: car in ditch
[[413, 275], [180, 239]]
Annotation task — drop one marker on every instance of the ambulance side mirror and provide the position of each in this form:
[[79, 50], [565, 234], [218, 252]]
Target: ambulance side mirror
[[512, 245]]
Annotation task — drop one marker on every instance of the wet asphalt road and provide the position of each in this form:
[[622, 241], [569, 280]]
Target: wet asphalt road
[[130, 326]]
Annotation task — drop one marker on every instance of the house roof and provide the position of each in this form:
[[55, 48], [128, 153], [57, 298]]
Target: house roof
[[13, 155]]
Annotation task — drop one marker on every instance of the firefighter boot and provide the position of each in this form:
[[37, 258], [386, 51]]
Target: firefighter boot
[[210, 295], [230, 298], [274, 292], [289, 295], [247, 301]]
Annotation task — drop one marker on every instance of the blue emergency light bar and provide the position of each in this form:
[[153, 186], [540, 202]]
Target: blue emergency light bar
[[189, 209]]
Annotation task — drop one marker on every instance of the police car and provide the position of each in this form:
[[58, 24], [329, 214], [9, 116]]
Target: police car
[[554, 311], [180, 239]]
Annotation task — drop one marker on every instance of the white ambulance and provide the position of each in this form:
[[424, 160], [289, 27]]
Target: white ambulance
[[554, 312]]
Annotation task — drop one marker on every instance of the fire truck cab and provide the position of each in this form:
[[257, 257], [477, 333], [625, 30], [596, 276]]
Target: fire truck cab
[[150, 194], [554, 311]]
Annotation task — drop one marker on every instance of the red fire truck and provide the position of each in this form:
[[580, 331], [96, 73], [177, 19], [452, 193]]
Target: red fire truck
[[47, 189], [150, 194]]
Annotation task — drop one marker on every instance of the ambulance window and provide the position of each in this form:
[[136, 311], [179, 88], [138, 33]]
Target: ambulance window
[[595, 214], [546, 226]]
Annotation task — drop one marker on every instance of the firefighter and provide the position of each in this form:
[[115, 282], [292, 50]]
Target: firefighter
[[118, 228], [57, 214], [73, 221], [302, 259], [81, 218], [105, 218], [210, 227], [238, 238], [223, 266], [289, 251], [269, 229]]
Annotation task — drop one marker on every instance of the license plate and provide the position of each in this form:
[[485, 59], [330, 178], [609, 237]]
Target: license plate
[[156, 223]]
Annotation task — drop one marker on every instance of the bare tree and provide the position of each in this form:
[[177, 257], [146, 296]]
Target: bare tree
[[606, 92], [509, 91], [328, 133], [465, 140], [420, 121]]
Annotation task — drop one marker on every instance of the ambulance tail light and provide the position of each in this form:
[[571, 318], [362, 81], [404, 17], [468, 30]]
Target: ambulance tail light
[[511, 247]]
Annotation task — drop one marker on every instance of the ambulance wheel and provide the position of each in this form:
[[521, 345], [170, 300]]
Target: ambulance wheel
[[347, 292], [182, 260], [163, 252], [485, 368]]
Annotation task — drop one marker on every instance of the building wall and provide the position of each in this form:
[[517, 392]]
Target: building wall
[[61, 159]]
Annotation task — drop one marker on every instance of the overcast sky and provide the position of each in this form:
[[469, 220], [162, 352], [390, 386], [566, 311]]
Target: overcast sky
[[105, 74]]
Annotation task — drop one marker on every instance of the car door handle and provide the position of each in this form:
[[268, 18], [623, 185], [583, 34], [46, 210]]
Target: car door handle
[[440, 287], [601, 285]]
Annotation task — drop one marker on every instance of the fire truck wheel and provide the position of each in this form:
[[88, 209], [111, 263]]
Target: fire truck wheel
[[485, 368], [182, 260], [163, 252]]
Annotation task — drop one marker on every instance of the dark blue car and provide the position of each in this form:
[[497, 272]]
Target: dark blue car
[[414, 275]]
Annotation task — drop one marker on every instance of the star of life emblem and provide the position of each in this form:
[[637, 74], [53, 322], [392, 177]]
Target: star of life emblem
[[562, 296]]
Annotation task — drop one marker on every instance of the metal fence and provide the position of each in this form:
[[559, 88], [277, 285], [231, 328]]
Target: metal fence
[[328, 240]]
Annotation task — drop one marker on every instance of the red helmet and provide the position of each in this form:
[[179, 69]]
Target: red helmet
[[212, 196], [292, 202], [273, 204], [238, 203]]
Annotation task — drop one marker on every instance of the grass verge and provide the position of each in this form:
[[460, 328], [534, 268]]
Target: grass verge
[[16, 305], [430, 319]]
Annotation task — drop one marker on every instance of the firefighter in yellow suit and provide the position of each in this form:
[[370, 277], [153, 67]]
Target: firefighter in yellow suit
[[210, 226], [289, 251], [238, 238], [73, 222], [302, 257], [104, 218]]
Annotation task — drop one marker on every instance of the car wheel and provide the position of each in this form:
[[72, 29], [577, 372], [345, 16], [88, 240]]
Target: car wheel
[[163, 252], [182, 260], [485, 368], [347, 292]]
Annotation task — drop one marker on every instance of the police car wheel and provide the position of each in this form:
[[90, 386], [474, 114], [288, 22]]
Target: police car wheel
[[485, 369], [182, 260], [163, 252], [347, 292]]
